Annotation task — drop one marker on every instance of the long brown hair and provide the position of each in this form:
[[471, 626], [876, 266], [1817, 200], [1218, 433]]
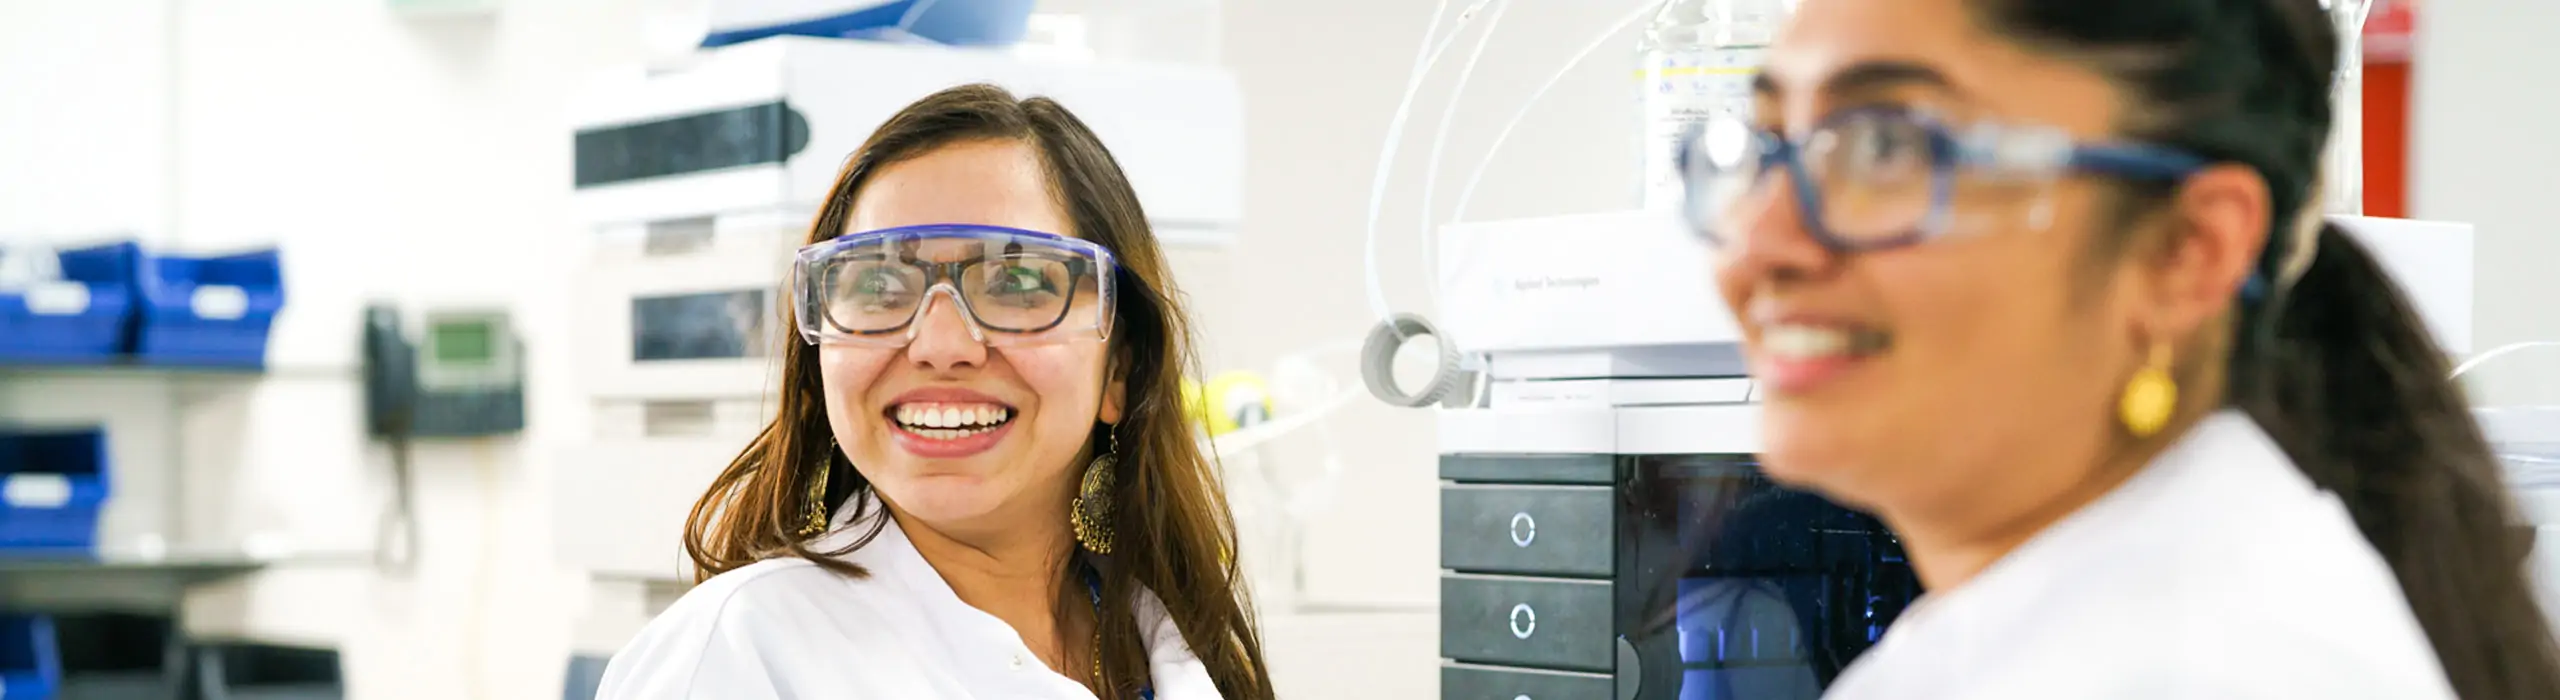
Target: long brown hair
[[2336, 365], [1175, 532]]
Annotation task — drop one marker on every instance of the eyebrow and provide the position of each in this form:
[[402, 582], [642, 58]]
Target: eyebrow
[[1868, 76]]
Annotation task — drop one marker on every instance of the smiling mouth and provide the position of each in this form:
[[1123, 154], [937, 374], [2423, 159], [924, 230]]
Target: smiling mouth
[[1795, 358], [1807, 342], [949, 421]]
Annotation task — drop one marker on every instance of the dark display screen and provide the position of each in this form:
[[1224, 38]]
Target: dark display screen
[[1770, 592], [692, 143], [714, 325]]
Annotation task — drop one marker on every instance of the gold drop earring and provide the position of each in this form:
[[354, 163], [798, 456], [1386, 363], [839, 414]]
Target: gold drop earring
[[817, 501], [2150, 397], [1091, 512]]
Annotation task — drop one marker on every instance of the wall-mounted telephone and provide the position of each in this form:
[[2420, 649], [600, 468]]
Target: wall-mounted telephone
[[463, 378]]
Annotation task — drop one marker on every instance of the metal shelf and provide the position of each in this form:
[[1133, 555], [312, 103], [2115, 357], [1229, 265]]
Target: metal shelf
[[130, 369], [132, 582]]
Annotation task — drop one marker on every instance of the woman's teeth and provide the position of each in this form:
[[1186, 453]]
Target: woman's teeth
[[1798, 342], [950, 421]]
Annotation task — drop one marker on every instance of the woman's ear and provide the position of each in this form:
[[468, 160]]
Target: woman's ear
[[1115, 389], [2223, 214]]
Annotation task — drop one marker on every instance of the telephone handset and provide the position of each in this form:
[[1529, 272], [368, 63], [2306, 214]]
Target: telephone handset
[[390, 374]]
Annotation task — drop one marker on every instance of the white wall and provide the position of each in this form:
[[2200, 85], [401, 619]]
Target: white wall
[[396, 157], [101, 69], [2484, 151]]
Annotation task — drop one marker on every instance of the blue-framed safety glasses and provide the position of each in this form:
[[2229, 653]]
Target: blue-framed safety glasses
[[1871, 179], [1014, 287]]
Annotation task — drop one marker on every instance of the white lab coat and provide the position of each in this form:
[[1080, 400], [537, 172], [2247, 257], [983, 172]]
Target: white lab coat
[[785, 628], [2219, 572]]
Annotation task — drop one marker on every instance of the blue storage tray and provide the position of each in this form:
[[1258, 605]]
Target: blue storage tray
[[86, 321], [208, 311], [982, 23], [52, 485], [30, 660]]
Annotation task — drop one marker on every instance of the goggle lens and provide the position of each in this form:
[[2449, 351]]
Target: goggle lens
[[1015, 286]]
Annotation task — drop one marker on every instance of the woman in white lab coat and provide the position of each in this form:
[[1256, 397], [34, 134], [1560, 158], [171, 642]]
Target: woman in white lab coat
[[2043, 284], [956, 499]]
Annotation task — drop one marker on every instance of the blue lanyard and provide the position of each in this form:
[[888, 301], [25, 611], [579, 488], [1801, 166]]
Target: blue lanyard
[[1093, 586]]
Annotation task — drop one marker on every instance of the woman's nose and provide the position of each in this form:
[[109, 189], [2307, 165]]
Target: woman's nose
[[1766, 233], [944, 338]]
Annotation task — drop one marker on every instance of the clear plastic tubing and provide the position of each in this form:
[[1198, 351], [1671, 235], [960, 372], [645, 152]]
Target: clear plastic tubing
[[2342, 176], [1424, 56]]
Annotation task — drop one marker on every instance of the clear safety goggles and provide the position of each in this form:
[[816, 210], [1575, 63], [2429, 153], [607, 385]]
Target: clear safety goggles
[[1014, 287], [1883, 178]]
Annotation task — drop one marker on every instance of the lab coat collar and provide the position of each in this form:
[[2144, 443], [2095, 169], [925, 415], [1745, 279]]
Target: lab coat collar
[[2224, 457], [1175, 670]]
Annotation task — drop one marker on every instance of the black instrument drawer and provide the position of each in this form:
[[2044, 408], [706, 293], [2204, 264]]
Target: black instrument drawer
[[1565, 530], [1490, 683], [1596, 470], [1557, 624]]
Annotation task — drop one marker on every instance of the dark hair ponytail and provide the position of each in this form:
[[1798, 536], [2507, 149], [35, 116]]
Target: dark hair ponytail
[[2335, 364], [2346, 377]]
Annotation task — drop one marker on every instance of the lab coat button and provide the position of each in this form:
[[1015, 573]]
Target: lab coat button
[[1017, 662]]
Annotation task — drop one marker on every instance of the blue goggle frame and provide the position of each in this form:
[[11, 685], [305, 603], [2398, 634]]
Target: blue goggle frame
[[2013, 151]]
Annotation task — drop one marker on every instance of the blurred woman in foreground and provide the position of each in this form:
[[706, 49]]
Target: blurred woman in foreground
[[2043, 284]]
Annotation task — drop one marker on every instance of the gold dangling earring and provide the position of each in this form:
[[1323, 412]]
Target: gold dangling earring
[[1091, 512], [2150, 397], [817, 503]]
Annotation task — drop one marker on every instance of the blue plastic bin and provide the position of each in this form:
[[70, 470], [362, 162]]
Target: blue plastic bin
[[82, 325], [30, 662], [208, 311], [981, 23], [52, 485]]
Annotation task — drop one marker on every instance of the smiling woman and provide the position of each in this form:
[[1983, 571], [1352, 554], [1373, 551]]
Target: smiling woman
[[978, 482]]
